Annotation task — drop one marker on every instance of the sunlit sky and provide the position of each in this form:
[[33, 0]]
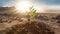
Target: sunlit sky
[[41, 4]]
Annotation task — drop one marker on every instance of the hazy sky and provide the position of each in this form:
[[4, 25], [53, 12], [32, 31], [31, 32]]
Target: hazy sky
[[45, 4]]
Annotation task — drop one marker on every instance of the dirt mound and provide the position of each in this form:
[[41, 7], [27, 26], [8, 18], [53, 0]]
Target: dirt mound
[[30, 28]]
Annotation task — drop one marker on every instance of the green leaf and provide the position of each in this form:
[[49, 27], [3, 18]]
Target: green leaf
[[32, 12]]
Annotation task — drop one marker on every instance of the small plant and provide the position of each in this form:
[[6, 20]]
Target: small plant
[[32, 13]]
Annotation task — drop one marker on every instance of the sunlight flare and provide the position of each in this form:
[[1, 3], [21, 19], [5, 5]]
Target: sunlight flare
[[23, 6]]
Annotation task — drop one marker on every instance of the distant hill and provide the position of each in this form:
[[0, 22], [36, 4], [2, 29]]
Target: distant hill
[[7, 9], [13, 9], [49, 11]]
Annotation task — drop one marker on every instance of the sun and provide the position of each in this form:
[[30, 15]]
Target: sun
[[23, 5]]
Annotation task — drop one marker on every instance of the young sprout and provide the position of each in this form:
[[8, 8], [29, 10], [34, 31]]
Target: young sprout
[[32, 13]]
